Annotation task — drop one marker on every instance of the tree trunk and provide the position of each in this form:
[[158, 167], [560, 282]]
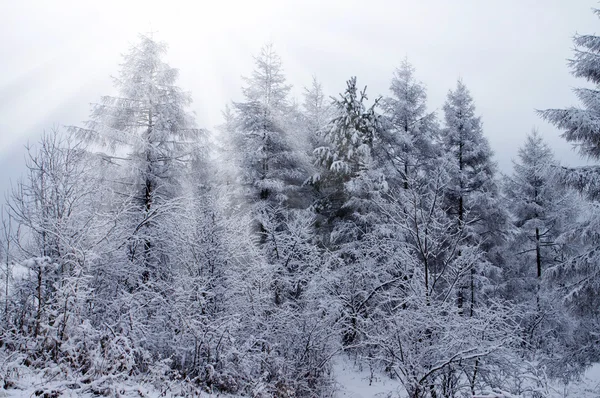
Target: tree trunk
[[38, 316], [538, 254]]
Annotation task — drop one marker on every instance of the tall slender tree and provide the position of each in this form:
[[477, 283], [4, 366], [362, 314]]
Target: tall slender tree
[[409, 139], [540, 208], [317, 110], [151, 138], [578, 275], [266, 153], [148, 129], [472, 193]]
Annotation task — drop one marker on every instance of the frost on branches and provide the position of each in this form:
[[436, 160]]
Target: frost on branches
[[137, 251]]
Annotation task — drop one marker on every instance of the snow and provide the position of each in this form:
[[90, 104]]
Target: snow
[[353, 382], [37, 386], [588, 387]]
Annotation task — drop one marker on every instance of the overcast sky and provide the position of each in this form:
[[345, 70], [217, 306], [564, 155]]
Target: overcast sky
[[57, 56]]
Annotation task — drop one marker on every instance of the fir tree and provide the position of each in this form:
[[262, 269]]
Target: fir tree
[[580, 125], [317, 111], [472, 194], [266, 153], [578, 274], [540, 208], [346, 161], [408, 140], [150, 123]]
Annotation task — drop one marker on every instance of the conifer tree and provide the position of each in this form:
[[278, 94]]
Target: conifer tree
[[580, 125], [317, 111], [347, 172], [541, 209], [472, 194], [151, 139], [266, 154], [541, 212], [409, 139], [578, 274], [150, 123]]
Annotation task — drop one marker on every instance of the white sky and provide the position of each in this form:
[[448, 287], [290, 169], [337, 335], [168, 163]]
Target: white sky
[[56, 56]]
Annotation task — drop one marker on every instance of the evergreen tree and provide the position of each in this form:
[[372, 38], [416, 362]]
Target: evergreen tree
[[577, 276], [472, 194], [579, 125], [150, 123], [541, 210], [317, 111], [409, 139], [347, 172], [266, 154], [152, 139]]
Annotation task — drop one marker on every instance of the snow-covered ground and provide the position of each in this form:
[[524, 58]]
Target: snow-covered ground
[[352, 382], [30, 385], [588, 387]]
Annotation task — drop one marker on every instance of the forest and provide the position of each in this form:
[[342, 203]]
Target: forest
[[139, 246]]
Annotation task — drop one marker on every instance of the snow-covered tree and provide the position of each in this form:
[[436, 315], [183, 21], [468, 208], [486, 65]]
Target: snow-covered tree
[[150, 131], [472, 193], [578, 276], [409, 139], [402, 295], [542, 211], [347, 173], [267, 153], [54, 210], [580, 125], [317, 111], [151, 138], [540, 208]]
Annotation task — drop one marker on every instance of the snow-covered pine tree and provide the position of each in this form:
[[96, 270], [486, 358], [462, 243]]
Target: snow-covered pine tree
[[150, 131], [317, 111], [472, 194], [409, 139], [267, 153], [580, 125], [278, 261], [347, 172], [151, 137], [541, 210], [578, 277]]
